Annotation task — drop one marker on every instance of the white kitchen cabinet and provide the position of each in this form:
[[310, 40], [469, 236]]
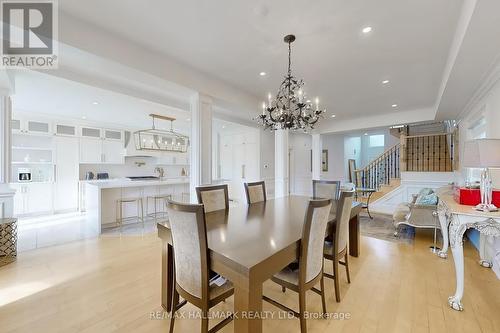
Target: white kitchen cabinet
[[99, 151], [113, 152], [90, 150], [65, 130], [32, 198], [113, 135], [31, 126], [66, 174]]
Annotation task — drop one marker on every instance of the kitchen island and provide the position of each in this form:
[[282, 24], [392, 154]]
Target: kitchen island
[[101, 197]]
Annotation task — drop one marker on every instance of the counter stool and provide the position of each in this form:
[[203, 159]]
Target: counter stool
[[163, 202], [119, 206]]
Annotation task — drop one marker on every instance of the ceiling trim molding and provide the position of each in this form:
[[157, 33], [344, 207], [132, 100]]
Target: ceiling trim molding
[[483, 90], [466, 14]]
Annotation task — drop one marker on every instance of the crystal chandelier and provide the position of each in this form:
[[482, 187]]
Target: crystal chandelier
[[290, 109]]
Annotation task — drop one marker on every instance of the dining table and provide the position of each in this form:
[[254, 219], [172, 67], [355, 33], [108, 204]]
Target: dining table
[[248, 244]]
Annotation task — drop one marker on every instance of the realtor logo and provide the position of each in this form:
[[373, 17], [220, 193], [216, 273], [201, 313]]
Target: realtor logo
[[29, 34]]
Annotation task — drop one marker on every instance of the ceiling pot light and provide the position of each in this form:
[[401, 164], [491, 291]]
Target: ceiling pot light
[[385, 81], [333, 116], [84, 117], [367, 30], [95, 102], [262, 73], [394, 105]]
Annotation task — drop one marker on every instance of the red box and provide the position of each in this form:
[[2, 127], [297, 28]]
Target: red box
[[472, 197]]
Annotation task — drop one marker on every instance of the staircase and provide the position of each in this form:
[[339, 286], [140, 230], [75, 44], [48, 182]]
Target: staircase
[[415, 153]]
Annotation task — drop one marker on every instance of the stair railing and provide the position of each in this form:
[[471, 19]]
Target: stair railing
[[429, 152], [379, 171]]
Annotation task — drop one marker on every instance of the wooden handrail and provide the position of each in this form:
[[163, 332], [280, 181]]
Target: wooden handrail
[[425, 135]]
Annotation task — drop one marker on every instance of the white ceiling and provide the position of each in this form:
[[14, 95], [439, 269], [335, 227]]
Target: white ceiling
[[49, 95], [235, 40]]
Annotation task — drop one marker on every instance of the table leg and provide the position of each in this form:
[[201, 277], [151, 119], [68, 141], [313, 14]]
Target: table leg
[[354, 241], [368, 205], [456, 234], [455, 301], [443, 221], [167, 276], [247, 307]]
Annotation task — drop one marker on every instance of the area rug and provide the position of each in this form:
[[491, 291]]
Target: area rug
[[381, 227]]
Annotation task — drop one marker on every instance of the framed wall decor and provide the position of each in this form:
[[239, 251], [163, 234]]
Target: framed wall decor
[[324, 160]]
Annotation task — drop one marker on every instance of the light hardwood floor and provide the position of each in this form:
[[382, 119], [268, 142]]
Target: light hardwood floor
[[112, 284]]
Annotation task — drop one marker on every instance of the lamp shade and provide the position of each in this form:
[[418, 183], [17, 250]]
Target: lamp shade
[[482, 153]]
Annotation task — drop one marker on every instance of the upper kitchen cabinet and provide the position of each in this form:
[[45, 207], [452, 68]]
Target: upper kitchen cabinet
[[101, 146], [65, 130], [31, 126]]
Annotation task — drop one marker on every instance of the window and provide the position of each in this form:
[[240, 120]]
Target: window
[[377, 140]]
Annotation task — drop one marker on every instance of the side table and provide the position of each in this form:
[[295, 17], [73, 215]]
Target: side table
[[8, 240]]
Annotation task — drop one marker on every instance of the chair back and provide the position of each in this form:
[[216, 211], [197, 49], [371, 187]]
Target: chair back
[[255, 192], [189, 238], [327, 189], [344, 208], [313, 239], [351, 167], [213, 197]]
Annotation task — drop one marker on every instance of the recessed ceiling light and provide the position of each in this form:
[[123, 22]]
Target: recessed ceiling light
[[308, 101], [84, 117], [223, 126], [366, 133], [367, 30], [385, 81], [189, 119], [95, 103], [394, 105], [262, 73], [333, 116]]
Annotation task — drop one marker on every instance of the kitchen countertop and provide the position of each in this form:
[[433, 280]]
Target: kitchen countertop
[[125, 182]]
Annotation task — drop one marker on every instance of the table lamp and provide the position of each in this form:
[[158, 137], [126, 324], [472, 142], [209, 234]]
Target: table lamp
[[485, 154]]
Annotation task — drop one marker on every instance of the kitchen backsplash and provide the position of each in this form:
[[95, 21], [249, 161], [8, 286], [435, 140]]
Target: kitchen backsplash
[[131, 168]]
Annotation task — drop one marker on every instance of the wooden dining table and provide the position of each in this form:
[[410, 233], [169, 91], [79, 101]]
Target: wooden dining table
[[248, 244]]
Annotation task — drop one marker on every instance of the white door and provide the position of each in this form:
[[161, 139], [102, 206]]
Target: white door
[[39, 198], [112, 152], [90, 150], [66, 181]]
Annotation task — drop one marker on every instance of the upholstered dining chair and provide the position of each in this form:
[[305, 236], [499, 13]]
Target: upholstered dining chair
[[255, 192], [338, 247], [213, 197], [327, 189], [191, 262], [310, 270]]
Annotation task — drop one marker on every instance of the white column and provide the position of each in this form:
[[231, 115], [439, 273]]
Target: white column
[[281, 165], [201, 142], [6, 193], [316, 156]]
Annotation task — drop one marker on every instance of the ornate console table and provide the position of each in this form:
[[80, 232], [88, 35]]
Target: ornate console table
[[455, 219]]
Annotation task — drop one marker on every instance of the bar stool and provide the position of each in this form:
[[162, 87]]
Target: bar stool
[[119, 206], [163, 202]]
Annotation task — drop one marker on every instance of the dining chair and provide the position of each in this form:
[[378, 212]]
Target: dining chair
[[327, 189], [338, 247], [310, 270], [191, 264], [255, 192], [213, 197]]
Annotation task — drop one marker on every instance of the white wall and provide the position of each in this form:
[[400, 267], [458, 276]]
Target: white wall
[[334, 143], [300, 164]]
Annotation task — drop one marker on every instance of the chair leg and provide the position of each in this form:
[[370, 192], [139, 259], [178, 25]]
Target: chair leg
[[336, 277], [204, 321], [347, 267], [323, 301], [175, 302], [302, 310]]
